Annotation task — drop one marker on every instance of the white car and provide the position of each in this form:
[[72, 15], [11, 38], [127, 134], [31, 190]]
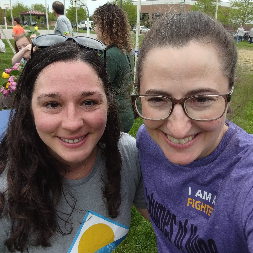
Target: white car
[[143, 29], [83, 25]]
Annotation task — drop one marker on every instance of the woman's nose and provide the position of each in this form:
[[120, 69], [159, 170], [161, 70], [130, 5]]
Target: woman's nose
[[72, 119], [178, 122]]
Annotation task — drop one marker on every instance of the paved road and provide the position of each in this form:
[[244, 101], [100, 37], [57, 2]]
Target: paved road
[[8, 32]]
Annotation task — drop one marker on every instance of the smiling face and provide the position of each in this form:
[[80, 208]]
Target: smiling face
[[180, 72], [70, 110]]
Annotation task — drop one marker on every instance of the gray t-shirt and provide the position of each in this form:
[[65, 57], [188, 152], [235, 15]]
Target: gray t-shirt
[[63, 26], [89, 227]]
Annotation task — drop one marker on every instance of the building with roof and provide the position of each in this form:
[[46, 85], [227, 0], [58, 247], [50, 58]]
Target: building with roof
[[31, 15]]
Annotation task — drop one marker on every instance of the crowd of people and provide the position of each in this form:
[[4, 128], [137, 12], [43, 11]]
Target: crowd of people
[[69, 170]]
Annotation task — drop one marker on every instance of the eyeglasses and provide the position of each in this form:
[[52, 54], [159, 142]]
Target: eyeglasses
[[198, 107], [48, 40]]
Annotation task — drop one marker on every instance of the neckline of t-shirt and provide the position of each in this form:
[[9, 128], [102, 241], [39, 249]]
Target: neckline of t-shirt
[[93, 171]]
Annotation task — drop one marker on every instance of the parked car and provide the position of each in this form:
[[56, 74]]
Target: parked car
[[143, 29], [33, 23], [83, 25]]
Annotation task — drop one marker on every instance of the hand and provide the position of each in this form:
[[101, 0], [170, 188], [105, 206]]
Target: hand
[[27, 48], [32, 36]]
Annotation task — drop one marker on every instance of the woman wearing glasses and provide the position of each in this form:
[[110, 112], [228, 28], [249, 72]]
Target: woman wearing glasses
[[68, 178], [197, 166], [113, 29]]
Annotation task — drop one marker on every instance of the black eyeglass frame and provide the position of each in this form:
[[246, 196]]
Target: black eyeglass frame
[[101, 51], [181, 101]]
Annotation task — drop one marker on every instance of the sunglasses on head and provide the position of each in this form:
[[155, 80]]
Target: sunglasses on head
[[48, 40]]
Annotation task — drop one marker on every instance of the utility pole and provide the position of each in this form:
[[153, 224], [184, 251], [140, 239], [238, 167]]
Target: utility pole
[[216, 11]]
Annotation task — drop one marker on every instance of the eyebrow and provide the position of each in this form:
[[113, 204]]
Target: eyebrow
[[58, 95], [190, 93], [50, 95], [90, 93]]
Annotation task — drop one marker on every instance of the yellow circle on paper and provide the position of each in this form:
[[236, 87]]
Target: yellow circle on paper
[[95, 238]]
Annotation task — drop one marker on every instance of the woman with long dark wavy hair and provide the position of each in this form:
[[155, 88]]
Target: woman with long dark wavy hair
[[113, 29], [68, 178]]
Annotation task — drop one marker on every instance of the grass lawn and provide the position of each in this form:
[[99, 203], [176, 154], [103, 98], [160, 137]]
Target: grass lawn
[[141, 238]]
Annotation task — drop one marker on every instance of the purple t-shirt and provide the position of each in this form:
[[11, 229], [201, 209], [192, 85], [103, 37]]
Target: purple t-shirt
[[205, 206]]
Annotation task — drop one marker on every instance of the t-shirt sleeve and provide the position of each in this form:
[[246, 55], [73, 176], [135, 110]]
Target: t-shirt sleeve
[[14, 29], [248, 219], [133, 171]]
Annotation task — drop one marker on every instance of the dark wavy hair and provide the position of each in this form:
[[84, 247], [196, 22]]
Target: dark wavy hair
[[34, 188], [114, 26], [58, 7], [179, 29], [18, 38]]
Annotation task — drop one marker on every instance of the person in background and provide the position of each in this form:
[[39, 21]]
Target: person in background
[[240, 33], [63, 25], [113, 29], [250, 35], [17, 29], [68, 177], [197, 166], [2, 46], [22, 48]]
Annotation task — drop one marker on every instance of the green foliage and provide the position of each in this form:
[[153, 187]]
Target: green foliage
[[51, 16], [38, 7], [71, 14], [32, 31], [137, 123], [206, 6], [130, 9], [16, 8], [223, 15], [241, 12]]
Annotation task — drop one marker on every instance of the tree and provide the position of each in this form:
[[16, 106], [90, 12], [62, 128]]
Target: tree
[[51, 16], [41, 8], [71, 14], [130, 9], [16, 8], [38, 7], [206, 6], [241, 12]]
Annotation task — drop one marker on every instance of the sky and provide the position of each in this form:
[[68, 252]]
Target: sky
[[92, 5]]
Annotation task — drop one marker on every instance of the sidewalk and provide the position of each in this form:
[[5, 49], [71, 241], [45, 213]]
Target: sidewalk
[[8, 33]]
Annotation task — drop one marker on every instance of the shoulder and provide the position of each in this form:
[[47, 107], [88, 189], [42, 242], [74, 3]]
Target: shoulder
[[127, 143], [141, 133], [114, 51], [130, 157], [239, 137], [62, 18]]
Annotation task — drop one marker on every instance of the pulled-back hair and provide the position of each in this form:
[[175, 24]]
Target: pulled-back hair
[[58, 7], [114, 26], [33, 174], [20, 36], [178, 30], [17, 19]]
